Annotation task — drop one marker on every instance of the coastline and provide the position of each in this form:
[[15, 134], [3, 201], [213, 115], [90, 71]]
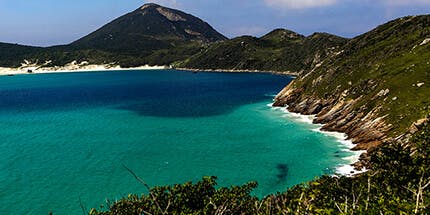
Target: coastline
[[342, 138], [71, 68], [240, 70], [346, 169]]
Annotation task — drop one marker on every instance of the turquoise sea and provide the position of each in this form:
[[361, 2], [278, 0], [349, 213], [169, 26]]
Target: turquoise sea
[[64, 138]]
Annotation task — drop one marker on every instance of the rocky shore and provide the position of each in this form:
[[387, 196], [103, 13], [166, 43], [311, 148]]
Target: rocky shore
[[365, 130]]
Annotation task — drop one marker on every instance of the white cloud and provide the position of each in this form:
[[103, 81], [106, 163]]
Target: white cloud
[[299, 4]]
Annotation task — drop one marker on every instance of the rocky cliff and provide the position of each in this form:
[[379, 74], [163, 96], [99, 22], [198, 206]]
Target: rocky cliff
[[374, 90], [365, 129]]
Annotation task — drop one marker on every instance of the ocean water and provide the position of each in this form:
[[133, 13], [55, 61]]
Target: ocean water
[[64, 138]]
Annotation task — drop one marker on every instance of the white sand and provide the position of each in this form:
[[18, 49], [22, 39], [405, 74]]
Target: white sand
[[71, 67]]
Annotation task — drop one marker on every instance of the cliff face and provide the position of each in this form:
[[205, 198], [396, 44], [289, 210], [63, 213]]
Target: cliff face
[[374, 89], [366, 130]]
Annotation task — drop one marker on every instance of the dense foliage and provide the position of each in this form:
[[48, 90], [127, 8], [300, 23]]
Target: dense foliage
[[280, 50], [399, 183], [62, 55]]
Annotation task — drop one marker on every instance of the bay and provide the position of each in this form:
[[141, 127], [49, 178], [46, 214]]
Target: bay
[[64, 138]]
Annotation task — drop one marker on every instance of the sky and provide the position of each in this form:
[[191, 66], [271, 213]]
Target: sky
[[54, 22]]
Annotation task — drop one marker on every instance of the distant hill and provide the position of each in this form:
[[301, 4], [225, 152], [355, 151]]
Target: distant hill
[[151, 34], [279, 50], [12, 54]]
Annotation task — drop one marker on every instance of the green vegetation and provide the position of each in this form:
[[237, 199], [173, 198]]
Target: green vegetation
[[399, 183], [389, 57], [280, 50], [11, 55], [62, 55]]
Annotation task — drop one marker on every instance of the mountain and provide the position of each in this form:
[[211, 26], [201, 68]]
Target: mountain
[[376, 89], [151, 34], [279, 50], [150, 27]]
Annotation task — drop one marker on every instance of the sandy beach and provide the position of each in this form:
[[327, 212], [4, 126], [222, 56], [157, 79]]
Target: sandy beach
[[33, 68], [71, 67]]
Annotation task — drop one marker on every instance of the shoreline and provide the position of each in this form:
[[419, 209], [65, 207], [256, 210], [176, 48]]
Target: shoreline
[[73, 67], [341, 138], [294, 74], [4, 71], [344, 169]]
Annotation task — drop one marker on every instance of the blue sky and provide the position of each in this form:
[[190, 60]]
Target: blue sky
[[52, 22]]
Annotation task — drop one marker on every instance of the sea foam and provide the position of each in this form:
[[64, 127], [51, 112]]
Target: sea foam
[[342, 138]]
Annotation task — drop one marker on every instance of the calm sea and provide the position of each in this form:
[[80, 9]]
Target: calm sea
[[64, 138]]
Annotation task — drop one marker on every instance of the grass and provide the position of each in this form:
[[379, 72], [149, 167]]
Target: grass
[[387, 58]]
